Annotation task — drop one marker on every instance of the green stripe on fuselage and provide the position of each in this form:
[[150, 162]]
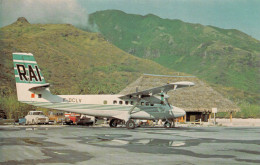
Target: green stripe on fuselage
[[79, 106], [73, 106]]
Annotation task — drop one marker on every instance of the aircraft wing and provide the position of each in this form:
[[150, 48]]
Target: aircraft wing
[[156, 90]]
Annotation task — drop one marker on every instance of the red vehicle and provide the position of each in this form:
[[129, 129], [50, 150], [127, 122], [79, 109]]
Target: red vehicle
[[73, 118]]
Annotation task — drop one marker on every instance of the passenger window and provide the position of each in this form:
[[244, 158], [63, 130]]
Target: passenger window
[[105, 102], [147, 104], [132, 103], [152, 104], [114, 102], [39, 95], [120, 102], [142, 103], [126, 102]]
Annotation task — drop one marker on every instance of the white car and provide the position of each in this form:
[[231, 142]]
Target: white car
[[36, 117]]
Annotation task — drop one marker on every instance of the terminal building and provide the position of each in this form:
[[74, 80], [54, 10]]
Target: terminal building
[[197, 101]]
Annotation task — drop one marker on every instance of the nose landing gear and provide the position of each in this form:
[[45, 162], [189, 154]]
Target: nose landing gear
[[169, 124]]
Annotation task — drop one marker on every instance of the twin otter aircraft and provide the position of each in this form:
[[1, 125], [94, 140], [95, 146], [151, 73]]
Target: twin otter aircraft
[[148, 104]]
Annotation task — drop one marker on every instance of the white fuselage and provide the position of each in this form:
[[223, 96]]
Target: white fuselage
[[32, 89], [107, 106]]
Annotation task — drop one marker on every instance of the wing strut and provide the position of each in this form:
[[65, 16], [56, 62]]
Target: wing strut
[[130, 111]]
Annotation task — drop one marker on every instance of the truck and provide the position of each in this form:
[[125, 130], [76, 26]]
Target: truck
[[36, 117]]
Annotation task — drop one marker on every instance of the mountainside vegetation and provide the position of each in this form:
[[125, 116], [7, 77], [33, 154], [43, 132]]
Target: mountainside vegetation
[[226, 58], [74, 61], [71, 60]]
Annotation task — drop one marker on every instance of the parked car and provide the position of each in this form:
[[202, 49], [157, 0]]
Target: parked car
[[72, 118], [36, 117], [56, 117], [84, 120], [22, 121]]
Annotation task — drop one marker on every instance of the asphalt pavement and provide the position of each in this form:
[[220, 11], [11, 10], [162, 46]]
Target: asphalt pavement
[[104, 145]]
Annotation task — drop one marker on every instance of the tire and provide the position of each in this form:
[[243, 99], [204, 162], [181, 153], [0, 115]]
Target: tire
[[130, 124], [167, 124], [113, 123]]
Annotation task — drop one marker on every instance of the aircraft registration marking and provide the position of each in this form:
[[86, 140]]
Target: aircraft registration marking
[[72, 100]]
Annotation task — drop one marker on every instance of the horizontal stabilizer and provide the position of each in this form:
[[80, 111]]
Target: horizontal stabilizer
[[40, 87]]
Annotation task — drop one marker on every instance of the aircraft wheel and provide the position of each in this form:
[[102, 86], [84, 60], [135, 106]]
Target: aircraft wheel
[[167, 124], [130, 124], [113, 123]]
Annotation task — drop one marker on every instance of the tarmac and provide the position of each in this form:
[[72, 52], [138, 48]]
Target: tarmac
[[116, 146]]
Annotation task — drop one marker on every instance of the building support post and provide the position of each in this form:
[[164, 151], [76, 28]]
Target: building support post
[[214, 118], [209, 120]]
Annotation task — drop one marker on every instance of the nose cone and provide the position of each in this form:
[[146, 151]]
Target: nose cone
[[178, 112], [183, 113]]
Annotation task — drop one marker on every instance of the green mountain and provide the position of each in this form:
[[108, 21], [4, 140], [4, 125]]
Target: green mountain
[[72, 61], [226, 58], [220, 56]]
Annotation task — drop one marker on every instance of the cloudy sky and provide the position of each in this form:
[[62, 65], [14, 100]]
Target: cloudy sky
[[243, 15]]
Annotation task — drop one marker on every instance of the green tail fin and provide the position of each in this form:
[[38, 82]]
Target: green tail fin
[[26, 69]]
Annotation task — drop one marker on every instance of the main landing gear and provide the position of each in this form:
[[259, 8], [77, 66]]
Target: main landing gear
[[130, 124]]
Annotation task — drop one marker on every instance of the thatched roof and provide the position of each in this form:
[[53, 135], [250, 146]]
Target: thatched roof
[[200, 97]]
